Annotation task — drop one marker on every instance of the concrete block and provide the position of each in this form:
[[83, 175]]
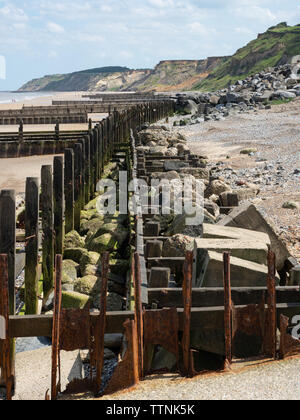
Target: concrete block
[[152, 229], [174, 165], [159, 277], [249, 250], [227, 232], [248, 217], [209, 272], [154, 249]]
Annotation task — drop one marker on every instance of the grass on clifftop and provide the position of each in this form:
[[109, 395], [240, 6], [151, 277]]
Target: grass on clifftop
[[276, 46]]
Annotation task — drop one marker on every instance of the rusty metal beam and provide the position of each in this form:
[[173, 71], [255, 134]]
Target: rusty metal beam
[[139, 313], [187, 304], [99, 330], [271, 317], [227, 309]]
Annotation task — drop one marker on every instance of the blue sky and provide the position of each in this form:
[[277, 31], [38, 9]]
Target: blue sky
[[39, 37]]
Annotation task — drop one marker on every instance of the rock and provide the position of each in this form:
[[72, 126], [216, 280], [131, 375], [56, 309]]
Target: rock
[[75, 254], [74, 300], [291, 205], [217, 187], [283, 94], [163, 360], [190, 107], [115, 302], [177, 245], [183, 149], [69, 271], [172, 151], [248, 151], [91, 226], [73, 240], [90, 258], [92, 205], [212, 208], [91, 270], [119, 267], [214, 99], [247, 216], [158, 150], [106, 242], [88, 285], [198, 173]]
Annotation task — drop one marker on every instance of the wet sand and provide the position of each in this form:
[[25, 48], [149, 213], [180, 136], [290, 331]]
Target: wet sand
[[13, 172]]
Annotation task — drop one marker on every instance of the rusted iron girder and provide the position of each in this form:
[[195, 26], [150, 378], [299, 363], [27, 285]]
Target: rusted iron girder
[[161, 329], [270, 324], [187, 304], [97, 354], [248, 322], [126, 374], [227, 309], [139, 312], [5, 346], [289, 346]]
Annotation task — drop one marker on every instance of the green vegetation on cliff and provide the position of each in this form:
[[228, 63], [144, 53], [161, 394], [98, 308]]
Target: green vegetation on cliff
[[274, 47]]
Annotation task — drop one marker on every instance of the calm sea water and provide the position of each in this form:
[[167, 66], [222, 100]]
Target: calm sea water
[[9, 97]]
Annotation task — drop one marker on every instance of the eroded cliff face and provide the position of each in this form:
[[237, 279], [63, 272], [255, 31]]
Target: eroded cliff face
[[178, 74]]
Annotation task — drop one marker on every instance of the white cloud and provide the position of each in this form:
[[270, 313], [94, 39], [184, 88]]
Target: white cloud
[[55, 28], [12, 13]]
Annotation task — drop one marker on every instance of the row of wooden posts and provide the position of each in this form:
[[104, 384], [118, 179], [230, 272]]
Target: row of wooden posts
[[65, 189]]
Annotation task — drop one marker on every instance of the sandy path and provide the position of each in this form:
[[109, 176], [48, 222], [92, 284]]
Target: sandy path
[[13, 172]]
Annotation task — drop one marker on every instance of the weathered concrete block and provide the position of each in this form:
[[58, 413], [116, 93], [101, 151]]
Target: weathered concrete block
[[174, 165], [248, 217], [159, 277], [154, 249], [227, 232], [152, 229], [209, 272], [247, 250], [295, 276]]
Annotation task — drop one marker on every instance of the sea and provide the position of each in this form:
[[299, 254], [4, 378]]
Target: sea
[[10, 97]]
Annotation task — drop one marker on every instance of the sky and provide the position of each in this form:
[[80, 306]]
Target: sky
[[39, 37]]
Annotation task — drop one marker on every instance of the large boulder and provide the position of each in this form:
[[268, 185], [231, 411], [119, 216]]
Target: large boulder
[[248, 217], [217, 187], [73, 240], [69, 271], [90, 258], [177, 245], [75, 254], [115, 302], [88, 285]]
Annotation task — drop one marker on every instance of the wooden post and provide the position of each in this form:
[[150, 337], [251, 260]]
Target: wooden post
[[8, 240], [77, 189], [32, 245], [83, 178], [48, 229], [58, 193], [56, 325], [227, 309], [5, 344], [69, 190], [187, 304]]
